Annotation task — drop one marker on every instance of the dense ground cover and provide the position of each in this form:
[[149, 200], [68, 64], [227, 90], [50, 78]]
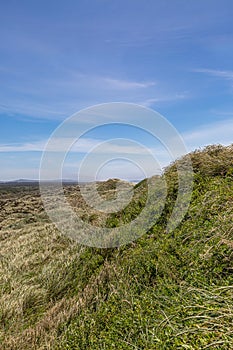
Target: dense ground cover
[[164, 291]]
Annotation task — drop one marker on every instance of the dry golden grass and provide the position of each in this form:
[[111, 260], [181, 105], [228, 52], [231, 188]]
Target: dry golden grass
[[32, 257], [30, 247], [161, 292]]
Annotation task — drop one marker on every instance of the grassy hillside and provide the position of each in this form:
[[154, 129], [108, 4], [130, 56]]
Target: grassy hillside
[[163, 291]]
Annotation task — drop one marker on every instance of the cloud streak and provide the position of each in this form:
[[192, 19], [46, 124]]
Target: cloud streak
[[71, 91], [83, 145], [127, 84], [218, 132], [225, 74]]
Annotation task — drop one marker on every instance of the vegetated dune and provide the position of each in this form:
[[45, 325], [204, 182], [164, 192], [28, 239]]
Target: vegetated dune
[[164, 291]]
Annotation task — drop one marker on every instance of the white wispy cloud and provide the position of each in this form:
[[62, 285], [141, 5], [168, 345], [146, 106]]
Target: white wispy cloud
[[164, 98], [60, 97], [225, 74], [83, 145], [127, 84], [23, 147], [214, 133]]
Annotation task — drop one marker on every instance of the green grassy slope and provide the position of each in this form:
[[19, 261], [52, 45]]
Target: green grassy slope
[[163, 291]]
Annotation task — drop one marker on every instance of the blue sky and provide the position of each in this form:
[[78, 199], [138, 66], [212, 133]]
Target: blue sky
[[58, 57]]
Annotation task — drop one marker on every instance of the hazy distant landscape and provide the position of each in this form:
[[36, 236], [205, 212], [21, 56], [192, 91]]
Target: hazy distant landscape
[[163, 291]]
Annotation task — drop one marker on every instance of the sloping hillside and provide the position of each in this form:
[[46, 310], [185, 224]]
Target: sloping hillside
[[163, 291]]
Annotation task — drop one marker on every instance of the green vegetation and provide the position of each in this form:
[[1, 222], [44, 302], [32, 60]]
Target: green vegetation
[[163, 291]]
